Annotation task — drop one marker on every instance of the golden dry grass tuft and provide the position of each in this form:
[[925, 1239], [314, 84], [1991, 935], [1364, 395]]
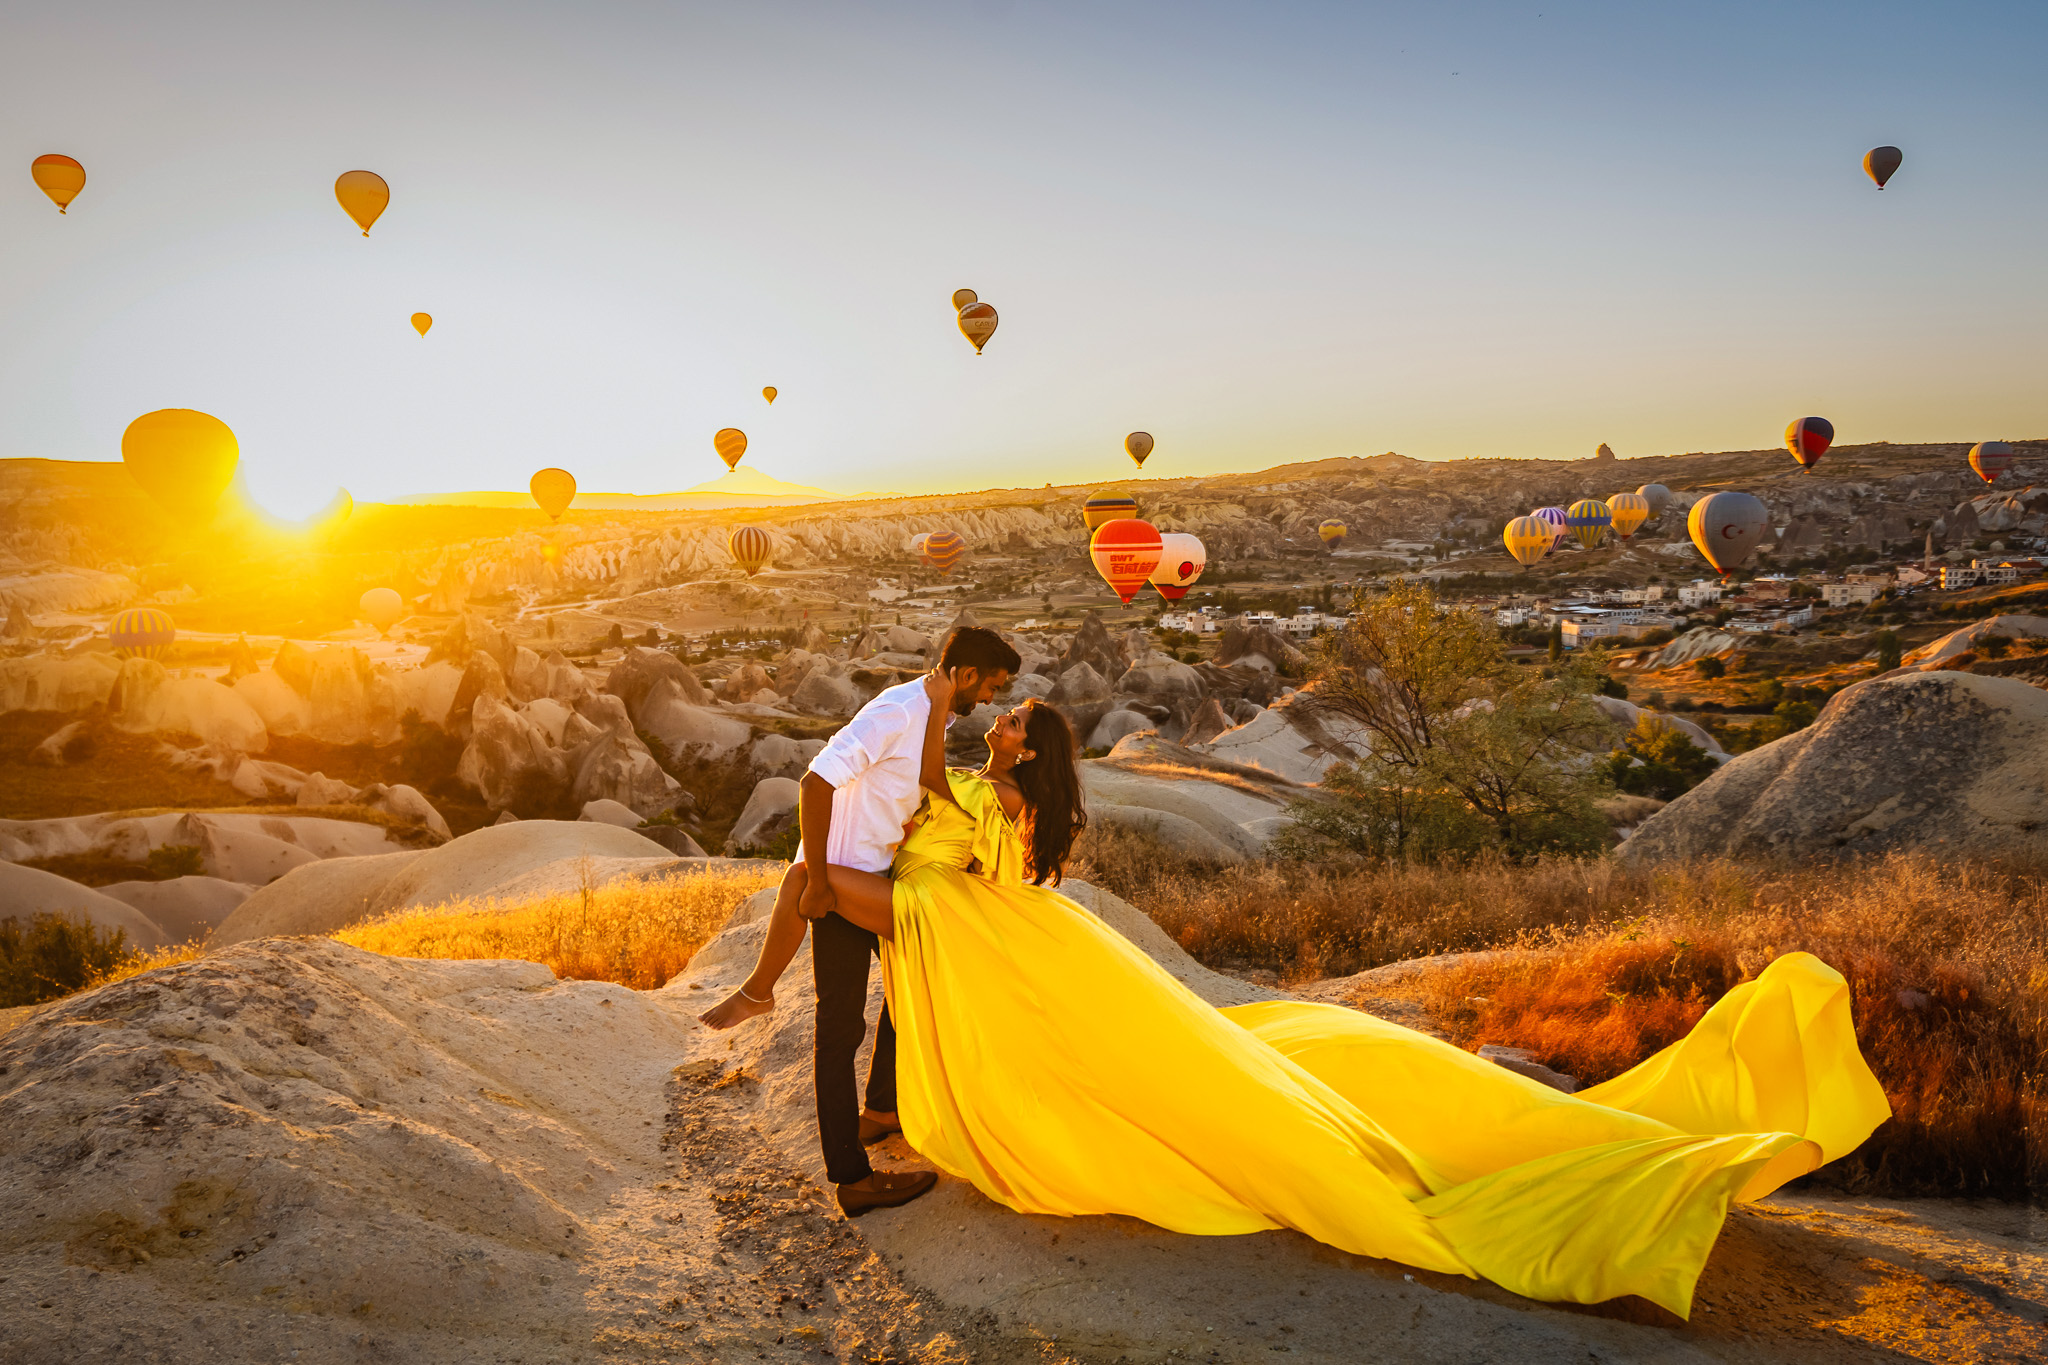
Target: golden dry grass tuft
[[638, 934]]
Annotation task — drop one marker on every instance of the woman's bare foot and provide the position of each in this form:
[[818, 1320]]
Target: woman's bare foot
[[735, 1010]]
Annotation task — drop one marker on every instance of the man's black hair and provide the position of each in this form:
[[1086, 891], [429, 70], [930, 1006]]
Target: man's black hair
[[979, 648]]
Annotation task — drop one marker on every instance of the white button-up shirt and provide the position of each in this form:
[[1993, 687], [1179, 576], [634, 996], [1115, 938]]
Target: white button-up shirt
[[873, 764]]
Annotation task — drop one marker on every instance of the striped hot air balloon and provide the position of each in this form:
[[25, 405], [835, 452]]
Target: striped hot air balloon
[[1990, 459], [142, 632], [1630, 511], [944, 549], [1808, 439], [1588, 520], [750, 548], [730, 443], [1108, 507], [1181, 560], [1528, 539], [1333, 532], [1125, 551], [1555, 517]]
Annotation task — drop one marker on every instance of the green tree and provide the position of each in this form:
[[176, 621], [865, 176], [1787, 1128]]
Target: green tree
[[1710, 667], [1889, 650], [1556, 640], [1657, 759]]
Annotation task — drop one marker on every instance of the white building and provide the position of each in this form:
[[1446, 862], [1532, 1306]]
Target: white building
[[1849, 594], [1700, 594], [1579, 631], [1987, 572], [1958, 576], [1193, 622], [1504, 617]]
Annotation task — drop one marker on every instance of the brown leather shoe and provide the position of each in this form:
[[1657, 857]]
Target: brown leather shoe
[[884, 1190], [872, 1132]]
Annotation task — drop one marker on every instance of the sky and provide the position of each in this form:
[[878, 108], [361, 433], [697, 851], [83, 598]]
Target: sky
[[1263, 232]]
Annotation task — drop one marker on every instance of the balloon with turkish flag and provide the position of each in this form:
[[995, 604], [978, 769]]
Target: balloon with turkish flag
[[1126, 551]]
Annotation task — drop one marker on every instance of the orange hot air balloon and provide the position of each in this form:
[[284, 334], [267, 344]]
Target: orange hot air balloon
[[421, 322], [382, 608], [978, 324], [1990, 459], [1138, 445], [554, 489], [963, 297], [141, 633], [1630, 511], [1528, 539], [59, 177], [183, 459], [362, 195], [944, 550], [731, 443], [750, 548], [769, 394], [1126, 551]]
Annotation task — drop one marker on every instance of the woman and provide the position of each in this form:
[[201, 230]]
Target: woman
[[1043, 1057]]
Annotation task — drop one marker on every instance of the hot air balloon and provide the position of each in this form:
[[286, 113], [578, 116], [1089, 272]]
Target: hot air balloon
[[731, 443], [1528, 539], [750, 548], [1879, 163], [1588, 520], [1333, 532], [59, 177], [1554, 518], [142, 632], [1808, 439], [1629, 511], [382, 607], [1990, 459], [183, 459], [1108, 507], [917, 545], [1181, 561], [554, 490], [978, 324], [1659, 496], [1138, 445], [421, 322], [769, 394], [362, 195], [963, 297], [1125, 551], [1726, 526], [944, 549]]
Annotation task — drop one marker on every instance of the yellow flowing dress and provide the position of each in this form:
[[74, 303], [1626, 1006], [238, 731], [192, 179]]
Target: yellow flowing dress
[[1046, 1059]]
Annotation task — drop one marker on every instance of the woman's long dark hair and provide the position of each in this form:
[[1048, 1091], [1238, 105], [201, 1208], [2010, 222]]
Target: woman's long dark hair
[[1051, 783]]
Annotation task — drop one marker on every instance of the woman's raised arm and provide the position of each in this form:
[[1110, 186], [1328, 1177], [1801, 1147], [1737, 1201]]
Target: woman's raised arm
[[939, 687]]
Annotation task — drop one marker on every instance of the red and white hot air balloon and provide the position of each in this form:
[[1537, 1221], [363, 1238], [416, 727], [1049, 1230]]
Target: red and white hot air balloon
[[1181, 561], [1125, 551]]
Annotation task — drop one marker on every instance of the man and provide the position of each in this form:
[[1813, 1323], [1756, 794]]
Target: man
[[860, 790]]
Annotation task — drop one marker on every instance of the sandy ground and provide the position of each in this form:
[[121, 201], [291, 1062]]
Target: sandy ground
[[297, 1151]]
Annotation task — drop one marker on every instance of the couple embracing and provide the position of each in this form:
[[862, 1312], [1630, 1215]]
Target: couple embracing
[[1031, 1050]]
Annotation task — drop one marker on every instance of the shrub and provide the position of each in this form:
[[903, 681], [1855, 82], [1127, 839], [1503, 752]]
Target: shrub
[[54, 955], [1710, 667], [1658, 760], [1994, 646]]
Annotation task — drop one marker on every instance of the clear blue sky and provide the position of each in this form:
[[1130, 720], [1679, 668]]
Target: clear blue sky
[[1263, 232]]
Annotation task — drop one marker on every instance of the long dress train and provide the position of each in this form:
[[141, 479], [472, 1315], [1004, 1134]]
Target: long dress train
[[1044, 1058]]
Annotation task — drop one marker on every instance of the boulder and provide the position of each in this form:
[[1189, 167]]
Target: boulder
[[295, 666], [690, 731], [1029, 686], [1260, 645], [321, 790], [1936, 653], [769, 812], [185, 908], [146, 699], [1292, 739], [616, 766], [339, 697], [674, 838], [611, 813], [527, 677], [1206, 724], [1161, 678], [1079, 685], [904, 640], [41, 682], [283, 710], [29, 891], [406, 803], [261, 781], [481, 677], [1093, 646], [428, 692], [508, 757], [1226, 820], [1950, 761], [62, 745], [1115, 725], [780, 756], [551, 716], [826, 693]]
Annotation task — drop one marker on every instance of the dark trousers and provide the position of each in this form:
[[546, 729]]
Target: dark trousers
[[840, 951]]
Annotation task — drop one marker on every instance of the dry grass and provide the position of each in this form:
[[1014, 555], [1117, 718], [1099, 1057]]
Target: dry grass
[[638, 934], [1947, 965]]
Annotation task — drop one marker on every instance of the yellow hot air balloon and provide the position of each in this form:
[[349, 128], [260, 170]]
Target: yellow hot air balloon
[[978, 324], [1630, 511], [363, 195], [731, 443], [750, 548], [769, 393], [1333, 532], [554, 490], [1138, 445], [183, 459], [141, 633], [59, 177], [963, 297], [1528, 539], [382, 608], [1587, 521], [421, 322]]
